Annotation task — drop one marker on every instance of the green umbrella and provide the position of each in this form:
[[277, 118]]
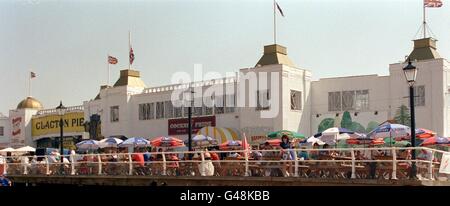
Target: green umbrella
[[290, 134], [389, 142], [402, 144]]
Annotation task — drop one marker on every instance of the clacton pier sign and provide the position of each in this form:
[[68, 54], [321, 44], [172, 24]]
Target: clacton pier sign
[[49, 125]]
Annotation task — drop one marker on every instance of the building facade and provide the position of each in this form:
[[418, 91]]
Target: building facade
[[32, 125], [360, 103], [4, 131], [273, 95]]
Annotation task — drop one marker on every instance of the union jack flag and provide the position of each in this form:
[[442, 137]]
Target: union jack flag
[[112, 60], [432, 3], [131, 55]]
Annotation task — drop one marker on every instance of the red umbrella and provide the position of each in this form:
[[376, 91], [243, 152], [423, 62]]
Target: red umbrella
[[424, 133], [274, 142], [435, 140], [167, 142], [233, 144], [359, 141]]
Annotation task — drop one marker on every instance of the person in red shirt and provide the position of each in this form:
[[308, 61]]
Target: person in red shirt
[[139, 158], [140, 166], [214, 156]]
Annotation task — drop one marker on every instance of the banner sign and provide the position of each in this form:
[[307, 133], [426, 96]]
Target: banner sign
[[49, 125], [180, 126]]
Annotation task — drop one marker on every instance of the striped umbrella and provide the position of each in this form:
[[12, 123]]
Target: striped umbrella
[[135, 142], [390, 133], [110, 142], [88, 145], [221, 134]]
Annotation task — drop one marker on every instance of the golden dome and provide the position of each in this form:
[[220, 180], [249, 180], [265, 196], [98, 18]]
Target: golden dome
[[29, 103]]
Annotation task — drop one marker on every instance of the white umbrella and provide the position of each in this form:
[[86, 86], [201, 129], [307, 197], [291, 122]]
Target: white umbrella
[[110, 142], [333, 135], [26, 149], [88, 144], [135, 142], [8, 149], [313, 140]]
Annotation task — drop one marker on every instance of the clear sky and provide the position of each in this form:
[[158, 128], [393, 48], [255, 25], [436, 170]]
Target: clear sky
[[66, 42]]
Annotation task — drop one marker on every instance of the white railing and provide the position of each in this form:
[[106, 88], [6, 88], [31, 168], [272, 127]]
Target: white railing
[[54, 111], [342, 163], [172, 87]]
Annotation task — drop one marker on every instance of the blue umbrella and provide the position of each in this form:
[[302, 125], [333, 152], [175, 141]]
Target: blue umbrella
[[110, 142], [203, 141], [135, 142], [390, 132], [88, 144]]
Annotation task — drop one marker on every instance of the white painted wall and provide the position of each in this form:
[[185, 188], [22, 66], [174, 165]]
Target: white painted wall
[[5, 138], [250, 117], [379, 99], [299, 80], [431, 74]]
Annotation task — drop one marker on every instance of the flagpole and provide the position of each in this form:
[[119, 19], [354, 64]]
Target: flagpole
[[274, 23], [424, 23], [29, 84], [109, 71], [129, 49]]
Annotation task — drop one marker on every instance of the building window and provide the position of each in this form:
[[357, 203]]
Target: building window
[[230, 103], [362, 100], [208, 106], [334, 101], [357, 100], [168, 109], [146, 111], [419, 95], [178, 112], [186, 111], [141, 111], [159, 110], [348, 100], [198, 107], [114, 114], [2, 131], [218, 104], [262, 99], [151, 110], [296, 100]]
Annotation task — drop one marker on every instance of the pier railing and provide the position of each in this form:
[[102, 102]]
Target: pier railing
[[336, 163]]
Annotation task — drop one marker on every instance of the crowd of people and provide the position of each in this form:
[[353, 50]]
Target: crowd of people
[[264, 160]]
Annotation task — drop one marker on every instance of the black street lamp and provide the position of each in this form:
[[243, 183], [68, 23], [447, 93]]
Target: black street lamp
[[190, 120], [411, 74], [61, 109]]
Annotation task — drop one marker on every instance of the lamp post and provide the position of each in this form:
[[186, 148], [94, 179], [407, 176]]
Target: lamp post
[[410, 75], [190, 120], [61, 109]]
